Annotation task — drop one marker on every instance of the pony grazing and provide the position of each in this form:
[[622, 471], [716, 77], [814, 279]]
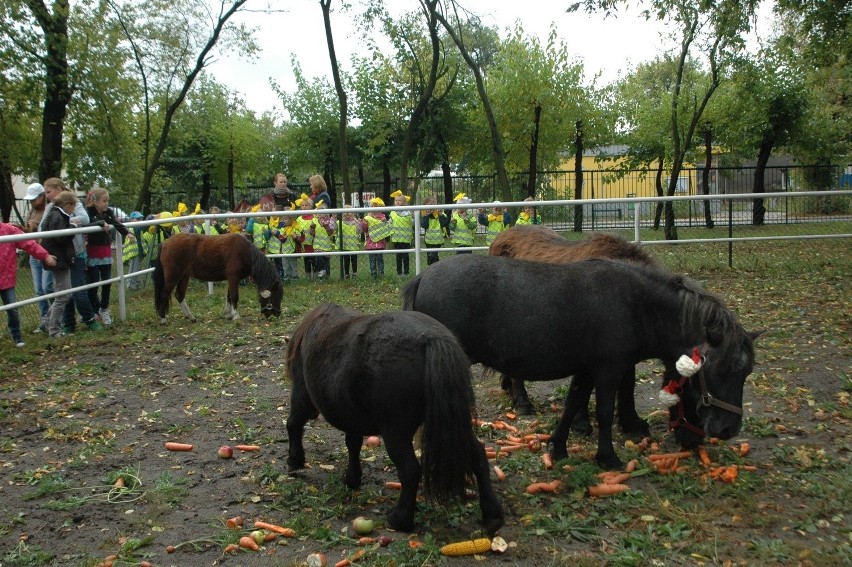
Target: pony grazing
[[228, 257], [543, 244], [594, 320], [388, 375]]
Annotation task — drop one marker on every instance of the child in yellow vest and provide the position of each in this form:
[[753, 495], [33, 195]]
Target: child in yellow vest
[[463, 225], [377, 229], [495, 223], [305, 223], [349, 228], [527, 216], [402, 232], [324, 229], [437, 225]]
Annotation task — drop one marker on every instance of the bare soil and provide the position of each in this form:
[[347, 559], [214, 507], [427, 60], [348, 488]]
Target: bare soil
[[77, 414]]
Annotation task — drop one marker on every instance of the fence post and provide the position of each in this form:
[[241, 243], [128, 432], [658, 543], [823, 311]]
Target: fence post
[[119, 270], [730, 232]]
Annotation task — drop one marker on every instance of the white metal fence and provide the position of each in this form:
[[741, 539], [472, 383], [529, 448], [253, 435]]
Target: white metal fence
[[840, 228]]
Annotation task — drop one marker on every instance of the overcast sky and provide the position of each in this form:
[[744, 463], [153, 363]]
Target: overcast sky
[[608, 46]]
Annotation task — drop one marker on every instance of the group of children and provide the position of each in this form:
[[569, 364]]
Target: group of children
[[314, 232], [55, 208]]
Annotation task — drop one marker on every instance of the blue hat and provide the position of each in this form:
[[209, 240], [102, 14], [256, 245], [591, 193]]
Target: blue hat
[[136, 215]]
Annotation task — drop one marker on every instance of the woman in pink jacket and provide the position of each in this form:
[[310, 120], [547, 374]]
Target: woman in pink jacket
[[9, 272]]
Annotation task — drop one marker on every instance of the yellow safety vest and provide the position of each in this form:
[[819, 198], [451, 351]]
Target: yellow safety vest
[[402, 227]]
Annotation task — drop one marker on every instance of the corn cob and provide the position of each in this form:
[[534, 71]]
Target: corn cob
[[469, 547]]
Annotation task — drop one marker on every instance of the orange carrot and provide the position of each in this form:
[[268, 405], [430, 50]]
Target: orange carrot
[[253, 448], [514, 440], [172, 446], [606, 474], [511, 448], [351, 559], [366, 540], [234, 523], [498, 424], [704, 456], [547, 460], [537, 436], [393, 485], [730, 474], [744, 449], [607, 489], [750, 468], [617, 478], [119, 482], [270, 537], [499, 472], [511, 415], [414, 543], [537, 487], [632, 465], [231, 547], [286, 532], [248, 543], [660, 456]]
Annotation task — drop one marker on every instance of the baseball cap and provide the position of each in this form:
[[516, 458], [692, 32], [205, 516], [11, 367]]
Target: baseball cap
[[33, 191]]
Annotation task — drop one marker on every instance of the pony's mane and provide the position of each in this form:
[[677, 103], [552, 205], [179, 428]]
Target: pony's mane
[[262, 270], [325, 314], [704, 313]]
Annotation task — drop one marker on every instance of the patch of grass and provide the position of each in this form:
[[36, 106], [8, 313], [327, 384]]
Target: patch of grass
[[24, 556], [168, 490]]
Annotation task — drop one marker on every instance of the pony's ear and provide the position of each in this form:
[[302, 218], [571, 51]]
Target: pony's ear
[[266, 294], [713, 336], [755, 334]]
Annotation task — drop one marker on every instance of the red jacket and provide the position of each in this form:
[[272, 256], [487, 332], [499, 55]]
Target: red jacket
[[8, 257]]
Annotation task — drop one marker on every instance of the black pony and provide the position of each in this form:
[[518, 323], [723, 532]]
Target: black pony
[[216, 258], [388, 375], [595, 320]]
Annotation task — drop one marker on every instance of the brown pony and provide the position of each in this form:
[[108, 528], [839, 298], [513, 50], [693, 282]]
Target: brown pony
[[216, 258], [542, 244]]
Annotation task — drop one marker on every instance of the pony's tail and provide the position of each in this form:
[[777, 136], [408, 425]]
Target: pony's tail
[[449, 444], [159, 279], [409, 293]]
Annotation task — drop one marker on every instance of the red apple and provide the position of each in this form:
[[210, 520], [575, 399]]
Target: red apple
[[225, 452], [534, 446], [373, 441]]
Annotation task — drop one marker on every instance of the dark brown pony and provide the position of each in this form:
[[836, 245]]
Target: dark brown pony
[[228, 257], [542, 244]]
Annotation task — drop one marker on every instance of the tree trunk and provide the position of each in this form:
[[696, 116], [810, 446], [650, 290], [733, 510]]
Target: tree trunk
[[57, 85], [496, 139], [205, 187], [341, 97], [448, 182], [658, 184], [758, 212], [7, 191], [705, 176], [386, 181], [143, 202], [427, 89], [578, 175], [231, 203], [533, 169]]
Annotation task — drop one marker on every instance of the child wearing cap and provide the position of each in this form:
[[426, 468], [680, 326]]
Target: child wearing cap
[[436, 226], [462, 225], [42, 282], [305, 222], [377, 229], [402, 232]]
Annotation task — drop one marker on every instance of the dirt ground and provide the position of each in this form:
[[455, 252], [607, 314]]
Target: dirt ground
[[88, 410]]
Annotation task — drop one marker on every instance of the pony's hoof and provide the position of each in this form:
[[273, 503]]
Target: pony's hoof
[[524, 409], [295, 464], [636, 429], [493, 523], [609, 462], [399, 522], [557, 451]]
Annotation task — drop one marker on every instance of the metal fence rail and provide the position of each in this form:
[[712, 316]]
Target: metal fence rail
[[733, 227]]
